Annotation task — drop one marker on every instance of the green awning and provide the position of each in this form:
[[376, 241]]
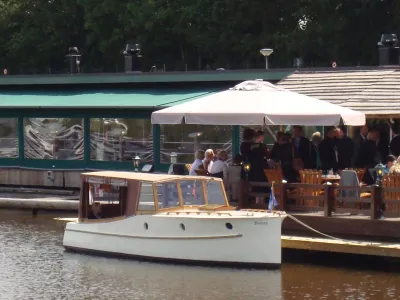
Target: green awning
[[156, 98]]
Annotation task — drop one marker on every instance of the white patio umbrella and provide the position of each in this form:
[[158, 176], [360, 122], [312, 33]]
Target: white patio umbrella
[[258, 102]]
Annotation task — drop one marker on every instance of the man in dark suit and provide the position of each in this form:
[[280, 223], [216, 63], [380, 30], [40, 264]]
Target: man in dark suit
[[301, 146], [395, 145], [359, 153], [345, 148]]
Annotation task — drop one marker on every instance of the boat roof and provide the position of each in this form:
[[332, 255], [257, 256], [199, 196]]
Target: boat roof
[[145, 176]]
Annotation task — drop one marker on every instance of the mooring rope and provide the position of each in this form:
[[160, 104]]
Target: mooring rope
[[315, 230]]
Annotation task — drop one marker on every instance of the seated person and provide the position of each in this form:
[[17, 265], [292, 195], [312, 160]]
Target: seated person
[[208, 160], [389, 162], [95, 211], [220, 168], [198, 162]]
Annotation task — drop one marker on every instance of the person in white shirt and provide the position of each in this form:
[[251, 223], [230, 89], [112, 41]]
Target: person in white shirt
[[198, 161], [221, 166], [208, 160]]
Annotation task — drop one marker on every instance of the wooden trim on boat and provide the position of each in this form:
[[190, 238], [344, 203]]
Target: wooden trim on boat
[[203, 187], [105, 220], [224, 193], [178, 188], [211, 237], [155, 196]]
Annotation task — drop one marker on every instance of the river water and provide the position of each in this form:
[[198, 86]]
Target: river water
[[33, 265]]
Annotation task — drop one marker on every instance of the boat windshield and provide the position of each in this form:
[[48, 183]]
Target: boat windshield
[[215, 194], [192, 192], [168, 193]]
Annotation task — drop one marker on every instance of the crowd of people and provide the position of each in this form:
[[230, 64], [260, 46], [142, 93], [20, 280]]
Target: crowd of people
[[334, 152], [293, 151]]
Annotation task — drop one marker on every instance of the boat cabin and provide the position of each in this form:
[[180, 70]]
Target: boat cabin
[[124, 194]]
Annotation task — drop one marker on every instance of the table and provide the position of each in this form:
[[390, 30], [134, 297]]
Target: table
[[331, 178]]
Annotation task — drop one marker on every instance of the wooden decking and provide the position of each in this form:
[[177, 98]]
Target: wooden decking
[[344, 225], [384, 249]]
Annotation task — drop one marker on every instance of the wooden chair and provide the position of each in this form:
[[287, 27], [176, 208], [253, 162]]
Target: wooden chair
[[188, 167], [275, 175], [360, 173], [391, 181], [310, 177]]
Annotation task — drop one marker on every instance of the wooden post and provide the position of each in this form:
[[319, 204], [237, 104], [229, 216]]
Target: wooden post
[[329, 202], [283, 196], [376, 202]]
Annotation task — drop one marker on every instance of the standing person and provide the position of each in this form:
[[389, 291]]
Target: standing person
[[372, 155], [345, 148], [274, 154], [359, 148], [259, 138], [329, 151], [315, 162], [395, 145], [245, 149], [248, 139], [301, 148]]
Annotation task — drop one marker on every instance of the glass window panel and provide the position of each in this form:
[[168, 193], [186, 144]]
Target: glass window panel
[[146, 199], [175, 138], [53, 138], [215, 194], [103, 193], [192, 192], [167, 193], [8, 137], [120, 139]]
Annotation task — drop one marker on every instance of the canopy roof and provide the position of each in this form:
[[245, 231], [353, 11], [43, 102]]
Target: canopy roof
[[144, 176], [258, 102], [138, 98]]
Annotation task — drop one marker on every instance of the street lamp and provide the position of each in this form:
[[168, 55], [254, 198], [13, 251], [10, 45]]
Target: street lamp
[[195, 136], [174, 157], [266, 52], [379, 173], [136, 161], [246, 169]]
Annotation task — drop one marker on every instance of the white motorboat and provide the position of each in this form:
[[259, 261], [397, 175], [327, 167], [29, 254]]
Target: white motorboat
[[171, 218]]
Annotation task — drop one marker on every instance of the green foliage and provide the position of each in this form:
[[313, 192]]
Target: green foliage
[[35, 34]]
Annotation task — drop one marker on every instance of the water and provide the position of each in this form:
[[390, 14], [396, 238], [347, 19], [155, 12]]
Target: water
[[33, 265]]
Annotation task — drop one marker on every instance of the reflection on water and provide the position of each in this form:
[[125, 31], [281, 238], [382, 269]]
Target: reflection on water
[[35, 266]]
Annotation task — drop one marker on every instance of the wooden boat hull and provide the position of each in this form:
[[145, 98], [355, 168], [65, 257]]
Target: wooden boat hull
[[242, 238]]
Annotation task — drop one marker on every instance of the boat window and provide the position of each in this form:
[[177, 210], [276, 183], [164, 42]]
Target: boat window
[[215, 193], [192, 192], [103, 193], [111, 199], [146, 198], [168, 195]]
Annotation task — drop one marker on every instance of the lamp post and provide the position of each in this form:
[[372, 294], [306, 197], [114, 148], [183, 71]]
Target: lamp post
[[195, 136], [174, 157], [379, 173], [136, 161], [266, 52], [246, 169]]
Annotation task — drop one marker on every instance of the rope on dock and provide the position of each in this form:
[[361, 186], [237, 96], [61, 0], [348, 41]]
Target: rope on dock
[[315, 230]]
